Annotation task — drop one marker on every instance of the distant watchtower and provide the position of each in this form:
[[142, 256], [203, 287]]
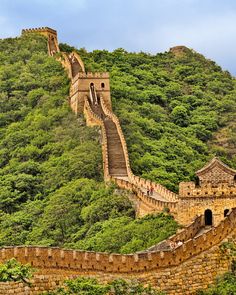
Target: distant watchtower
[[213, 195], [50, 34]]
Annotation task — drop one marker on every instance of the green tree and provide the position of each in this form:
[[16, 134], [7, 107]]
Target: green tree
[[14, 271]]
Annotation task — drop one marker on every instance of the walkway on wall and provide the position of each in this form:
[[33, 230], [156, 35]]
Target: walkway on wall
[[118, 161], [116, 157]]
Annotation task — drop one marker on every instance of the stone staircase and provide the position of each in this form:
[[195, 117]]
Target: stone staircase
[[116, 158], [117, 164]]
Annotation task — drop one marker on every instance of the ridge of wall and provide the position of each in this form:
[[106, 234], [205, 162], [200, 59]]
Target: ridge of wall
[[184, 234], [59, 259], [160, 189], [146, 204], [66, 63]]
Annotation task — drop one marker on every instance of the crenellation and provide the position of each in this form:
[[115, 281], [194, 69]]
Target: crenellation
[[190, 189]]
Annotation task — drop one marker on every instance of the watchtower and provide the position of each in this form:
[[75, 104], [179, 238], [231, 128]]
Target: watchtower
[[213, 194], [50, 34], [80, 88]]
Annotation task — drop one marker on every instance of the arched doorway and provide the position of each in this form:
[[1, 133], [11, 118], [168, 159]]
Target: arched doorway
[[208, 217], [226, 211]]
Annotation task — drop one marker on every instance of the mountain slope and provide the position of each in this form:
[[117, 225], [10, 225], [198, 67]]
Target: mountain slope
[[171, 108], [51, 189]]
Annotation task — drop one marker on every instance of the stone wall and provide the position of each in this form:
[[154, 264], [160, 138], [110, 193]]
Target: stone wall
[[145, 204], [188, 208], [191, 266], [92, 119]]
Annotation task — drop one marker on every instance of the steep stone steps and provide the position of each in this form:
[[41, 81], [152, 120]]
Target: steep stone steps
[[116, 158]]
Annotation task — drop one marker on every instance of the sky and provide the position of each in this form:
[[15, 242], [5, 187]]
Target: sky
[[207, 26]]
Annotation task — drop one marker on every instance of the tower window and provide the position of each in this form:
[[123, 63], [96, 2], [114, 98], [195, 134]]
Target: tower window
[[208, 217]]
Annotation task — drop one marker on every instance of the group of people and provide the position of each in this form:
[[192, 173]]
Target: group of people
[[150, 191], [175, 244]]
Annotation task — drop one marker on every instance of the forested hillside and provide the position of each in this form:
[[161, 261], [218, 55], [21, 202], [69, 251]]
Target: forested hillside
[[176, 112], [51, 188]]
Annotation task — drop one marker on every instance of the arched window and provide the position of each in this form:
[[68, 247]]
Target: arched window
[[226, 211], [103, 85], [91, 84], [208, 217]]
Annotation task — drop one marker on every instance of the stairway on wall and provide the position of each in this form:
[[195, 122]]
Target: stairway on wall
[[116, 158], [117, 163], [115, 155]]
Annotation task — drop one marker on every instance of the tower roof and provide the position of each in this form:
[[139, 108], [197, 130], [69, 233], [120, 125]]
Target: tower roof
[[216, 162]]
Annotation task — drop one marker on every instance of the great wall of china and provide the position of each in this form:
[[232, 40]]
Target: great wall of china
[[206, 209]]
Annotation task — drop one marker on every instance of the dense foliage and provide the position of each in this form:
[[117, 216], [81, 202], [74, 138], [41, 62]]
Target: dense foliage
[[51, 190], [14, 271], [88, 286], [176, 112]]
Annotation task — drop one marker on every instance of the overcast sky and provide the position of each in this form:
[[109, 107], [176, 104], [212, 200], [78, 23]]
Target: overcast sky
[[207, 26]]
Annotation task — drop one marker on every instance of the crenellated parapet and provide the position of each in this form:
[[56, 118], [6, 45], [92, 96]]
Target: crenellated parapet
[[39, 30], [167, 269], [191, 190], [145, 204], [162, 191], [75, 260], [91, 75]]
